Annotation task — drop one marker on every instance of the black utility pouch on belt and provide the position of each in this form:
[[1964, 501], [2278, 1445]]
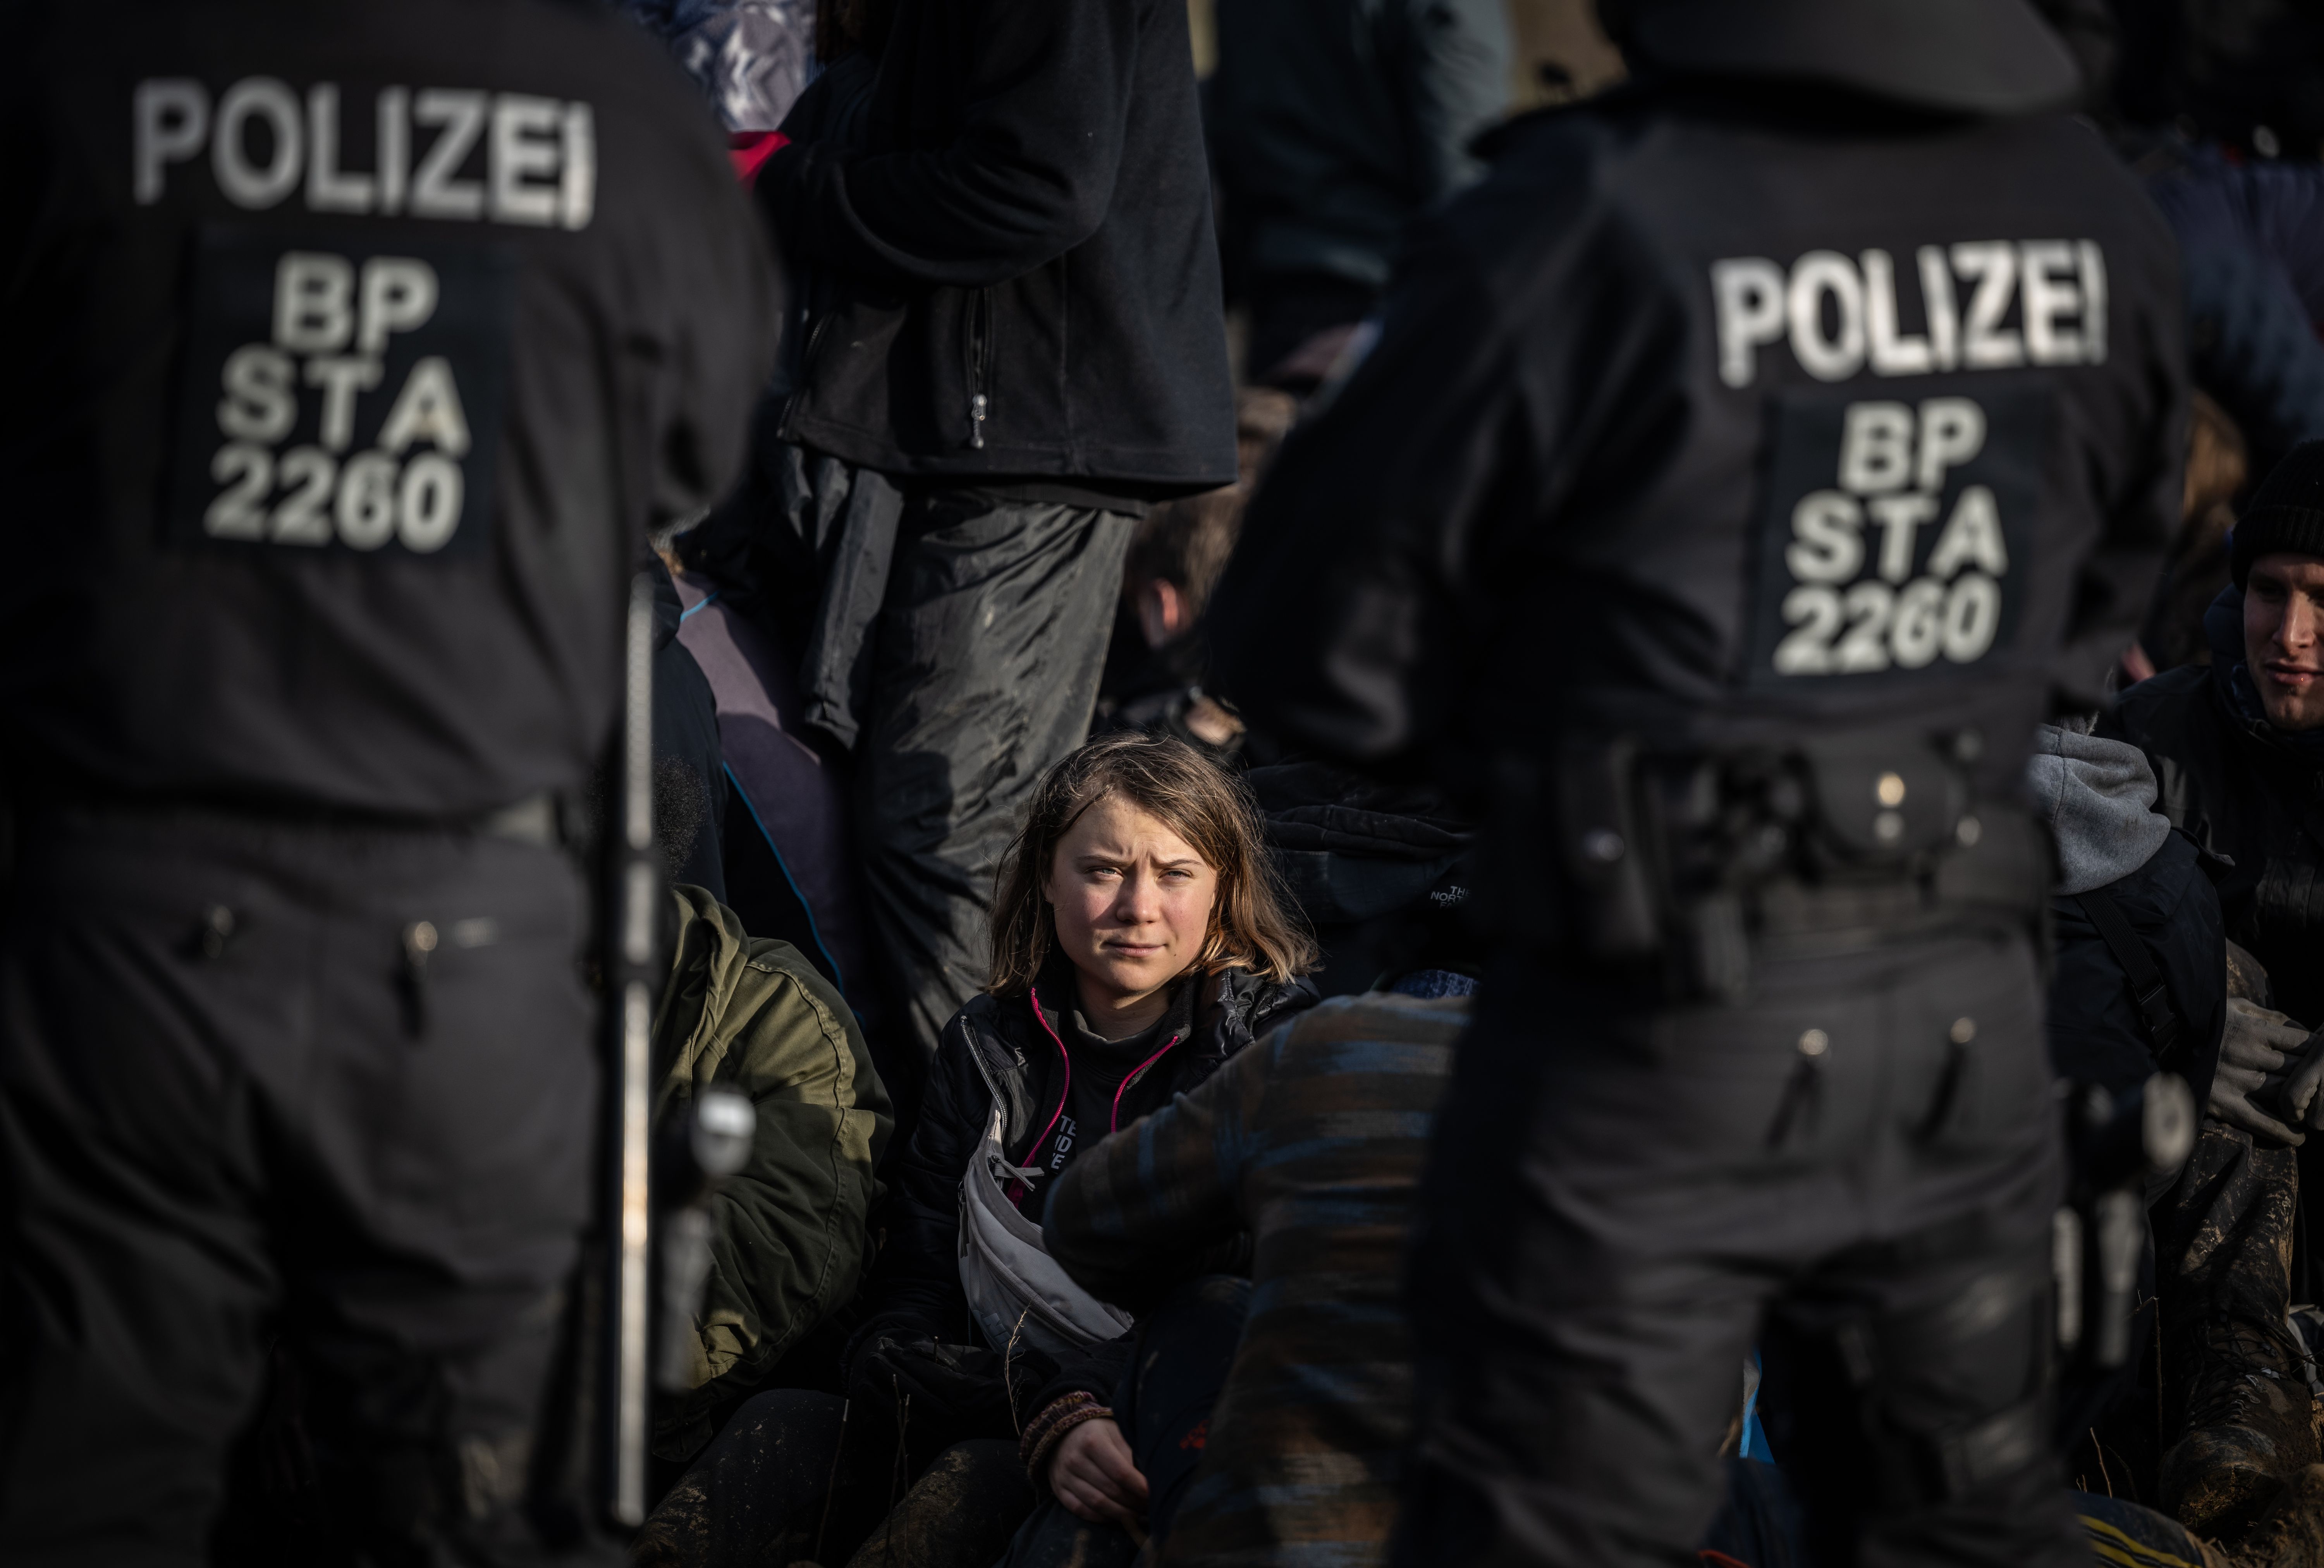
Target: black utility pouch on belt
[[1681, 866]]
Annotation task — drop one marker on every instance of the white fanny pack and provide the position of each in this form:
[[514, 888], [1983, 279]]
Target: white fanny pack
[[1016, 1289]]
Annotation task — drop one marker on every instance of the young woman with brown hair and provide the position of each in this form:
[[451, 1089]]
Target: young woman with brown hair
[[1139, 942]]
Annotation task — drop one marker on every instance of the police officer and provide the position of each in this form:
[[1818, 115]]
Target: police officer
[[347, 350], [1737, 474]]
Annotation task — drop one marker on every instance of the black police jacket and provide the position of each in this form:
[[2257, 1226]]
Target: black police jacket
[[346, 353], [1723, 415], [1027, 283]]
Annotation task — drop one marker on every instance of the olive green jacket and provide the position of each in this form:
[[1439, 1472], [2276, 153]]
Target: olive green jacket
[[788, 1233]]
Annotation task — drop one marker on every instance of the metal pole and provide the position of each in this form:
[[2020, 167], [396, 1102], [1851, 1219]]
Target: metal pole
[[633, 882]]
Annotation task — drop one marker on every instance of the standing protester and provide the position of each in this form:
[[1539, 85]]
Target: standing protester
[[1023, 329], [1740, 470], [346, 352]]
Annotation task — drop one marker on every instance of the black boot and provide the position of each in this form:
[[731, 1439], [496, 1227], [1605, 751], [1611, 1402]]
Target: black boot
[[2291, 1535], [2249, 1426]]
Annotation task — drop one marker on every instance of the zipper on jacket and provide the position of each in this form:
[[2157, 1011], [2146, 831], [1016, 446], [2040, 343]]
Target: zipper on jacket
[[980, 365], [1139, 1073], [1016, 1188]]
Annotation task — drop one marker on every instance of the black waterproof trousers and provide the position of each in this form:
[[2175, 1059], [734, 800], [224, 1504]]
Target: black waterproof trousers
[[332, 1081], [986, 660], [1859, 1167]]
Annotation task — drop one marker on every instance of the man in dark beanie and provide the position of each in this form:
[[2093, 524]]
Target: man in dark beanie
[[2239, 747], [2238, 752]]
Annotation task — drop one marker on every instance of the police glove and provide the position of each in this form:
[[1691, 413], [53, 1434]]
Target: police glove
[[2256, 1049], [2302, 1102]]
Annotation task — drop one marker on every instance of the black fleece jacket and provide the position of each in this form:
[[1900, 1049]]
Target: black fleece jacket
[[915, 1293], [1024, 282], [2253, 799]]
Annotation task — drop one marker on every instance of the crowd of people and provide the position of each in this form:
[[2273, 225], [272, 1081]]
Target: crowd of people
[[1329, 969], [1138, 1261]]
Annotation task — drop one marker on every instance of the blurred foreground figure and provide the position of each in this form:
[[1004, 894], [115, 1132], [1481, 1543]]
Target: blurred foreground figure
[[1742, 471], [346, 351]]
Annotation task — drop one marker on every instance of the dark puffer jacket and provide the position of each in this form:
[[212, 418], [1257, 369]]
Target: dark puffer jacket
[[916, 1291]]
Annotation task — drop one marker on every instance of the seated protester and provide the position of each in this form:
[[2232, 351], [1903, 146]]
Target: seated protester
[[2117, 856], [2238, 746], [790, 1231], [2238, 752], [1314, 1142], [1137, 944]]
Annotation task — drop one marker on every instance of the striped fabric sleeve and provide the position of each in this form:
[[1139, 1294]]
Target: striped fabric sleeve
[[1127, 1216]]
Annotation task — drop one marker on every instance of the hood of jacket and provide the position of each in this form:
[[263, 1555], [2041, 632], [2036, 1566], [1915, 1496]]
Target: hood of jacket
[[2097, 798], [1349, 848]]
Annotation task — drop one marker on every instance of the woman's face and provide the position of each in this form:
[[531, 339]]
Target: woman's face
[[1132, 900]]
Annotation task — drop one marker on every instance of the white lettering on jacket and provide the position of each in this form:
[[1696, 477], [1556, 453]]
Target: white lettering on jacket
[[338, 316], [1866, 597], [1840, 313], [539, 156]]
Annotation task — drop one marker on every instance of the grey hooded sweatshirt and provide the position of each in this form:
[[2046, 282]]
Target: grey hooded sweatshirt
[[2097, 800]]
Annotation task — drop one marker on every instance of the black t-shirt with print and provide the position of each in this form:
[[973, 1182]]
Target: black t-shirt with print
[[1097, 1096]]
